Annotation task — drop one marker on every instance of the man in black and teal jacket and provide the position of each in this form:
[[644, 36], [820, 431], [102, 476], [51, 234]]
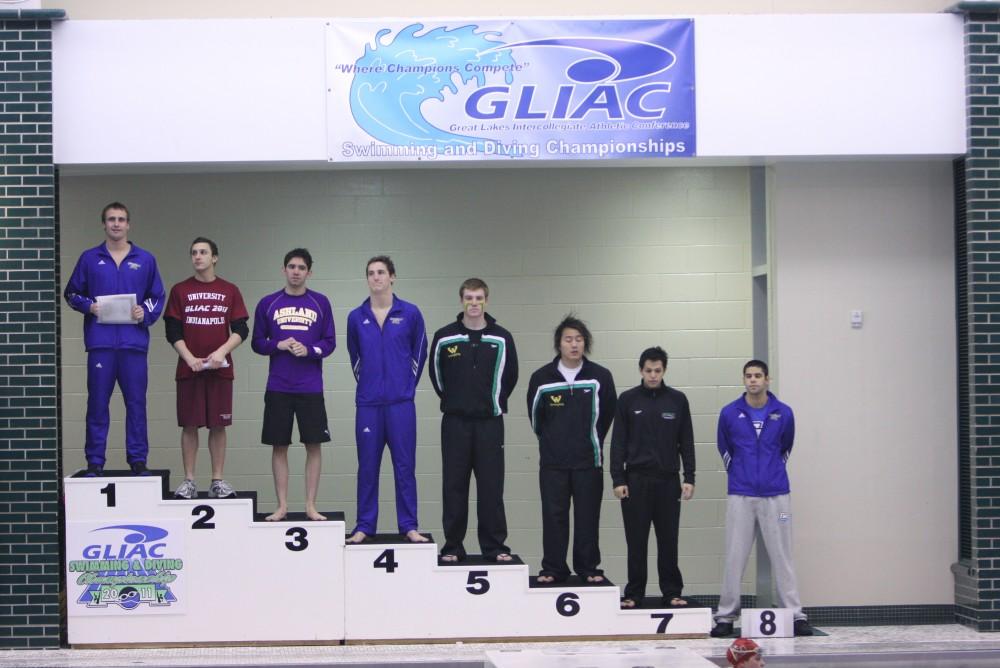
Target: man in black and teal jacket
[[571, 404], [473, 369]]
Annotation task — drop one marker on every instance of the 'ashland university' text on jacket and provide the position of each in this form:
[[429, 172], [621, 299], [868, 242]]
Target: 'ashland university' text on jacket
[[756, 464], [473, 371], [652, 434], [308, 318], [571, 419], [387, 361], [97, 275]]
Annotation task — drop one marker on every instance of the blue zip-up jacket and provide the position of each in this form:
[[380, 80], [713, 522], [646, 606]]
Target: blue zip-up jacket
[[96, 275], [756, 465], [387, 361]]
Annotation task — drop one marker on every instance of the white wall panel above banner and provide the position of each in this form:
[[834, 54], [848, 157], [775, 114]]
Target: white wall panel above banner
[[268, 92]]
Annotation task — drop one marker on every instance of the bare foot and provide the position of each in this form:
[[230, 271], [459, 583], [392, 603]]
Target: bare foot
[[357, 538], [545, 579], [503, 556], [313, 514], [414, 536], [678, 601], [449, 558], [277, 515], [627, 604], [595, 579]]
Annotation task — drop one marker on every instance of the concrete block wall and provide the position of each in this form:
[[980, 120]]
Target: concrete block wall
[[646, 256]]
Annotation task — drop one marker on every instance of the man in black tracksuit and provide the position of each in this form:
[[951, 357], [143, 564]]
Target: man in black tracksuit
[[652, 435], [571, 404], [473, 369]]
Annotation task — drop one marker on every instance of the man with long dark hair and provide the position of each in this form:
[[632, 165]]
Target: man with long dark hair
[[571, 404]]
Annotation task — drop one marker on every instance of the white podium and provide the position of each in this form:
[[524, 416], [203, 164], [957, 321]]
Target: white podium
[[143, 568], [398, 590]]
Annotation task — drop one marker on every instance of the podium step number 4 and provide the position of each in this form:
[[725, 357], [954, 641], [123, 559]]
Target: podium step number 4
[[135, 554]]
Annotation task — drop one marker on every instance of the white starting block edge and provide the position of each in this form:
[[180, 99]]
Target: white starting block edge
[[330, 592], [587, 657], [767, 623]]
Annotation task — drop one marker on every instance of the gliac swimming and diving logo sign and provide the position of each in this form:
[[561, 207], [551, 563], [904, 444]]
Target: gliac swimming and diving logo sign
[[125, 566], [511, 89]]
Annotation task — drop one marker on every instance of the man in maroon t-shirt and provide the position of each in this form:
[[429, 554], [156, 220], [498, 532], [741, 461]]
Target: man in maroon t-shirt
[[206, 319]]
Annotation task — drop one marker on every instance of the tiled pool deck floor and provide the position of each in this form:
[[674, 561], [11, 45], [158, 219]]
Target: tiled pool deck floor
[[888, 641]]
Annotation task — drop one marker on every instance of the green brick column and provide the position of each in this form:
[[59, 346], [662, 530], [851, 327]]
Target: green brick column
[[977, 253], [30, 564]]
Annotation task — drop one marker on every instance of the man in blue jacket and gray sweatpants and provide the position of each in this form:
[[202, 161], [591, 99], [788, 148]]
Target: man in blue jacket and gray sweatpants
[[755, 438], [116, 353]]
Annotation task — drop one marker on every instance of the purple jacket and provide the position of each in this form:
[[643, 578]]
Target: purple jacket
[[387, 361], [308, 319], [95, 275], [756, 464]]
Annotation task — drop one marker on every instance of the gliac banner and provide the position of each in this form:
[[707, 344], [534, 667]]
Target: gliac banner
[[501, 89]]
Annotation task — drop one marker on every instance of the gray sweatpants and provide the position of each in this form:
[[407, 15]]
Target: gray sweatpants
[[774, 515]]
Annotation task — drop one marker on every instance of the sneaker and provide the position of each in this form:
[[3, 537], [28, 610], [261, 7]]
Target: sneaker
[[186, 490], [139, 468], [802, 627], [93, 471], [221, 489], [722, 630]]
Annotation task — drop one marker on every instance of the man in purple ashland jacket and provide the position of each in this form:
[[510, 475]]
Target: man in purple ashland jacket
[[294, 326]]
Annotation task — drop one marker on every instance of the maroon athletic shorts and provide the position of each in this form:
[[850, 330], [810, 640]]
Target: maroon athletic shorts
[[205, 400]]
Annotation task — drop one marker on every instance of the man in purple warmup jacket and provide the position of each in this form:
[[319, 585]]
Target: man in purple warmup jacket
[[294, 326], [388, 347], [116, 351]]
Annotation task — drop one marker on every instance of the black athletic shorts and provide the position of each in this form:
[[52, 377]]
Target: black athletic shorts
[[308, 409]]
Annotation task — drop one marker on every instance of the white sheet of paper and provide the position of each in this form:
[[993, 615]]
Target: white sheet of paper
[[115, 309]]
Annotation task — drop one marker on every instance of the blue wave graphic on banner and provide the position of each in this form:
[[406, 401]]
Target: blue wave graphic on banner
[[607, 58], [394, 79]]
